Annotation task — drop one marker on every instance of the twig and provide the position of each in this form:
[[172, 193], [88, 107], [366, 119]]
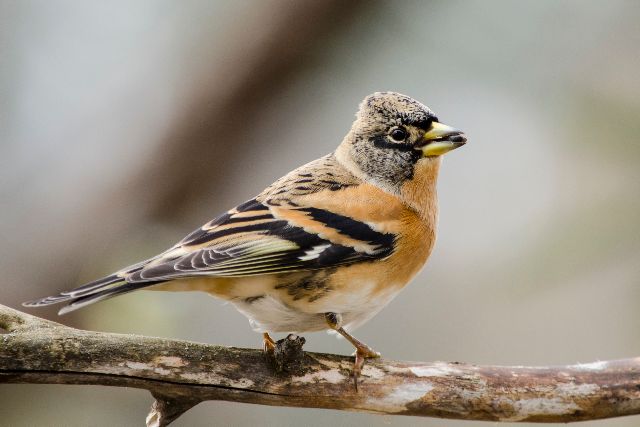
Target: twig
[[181, 374]]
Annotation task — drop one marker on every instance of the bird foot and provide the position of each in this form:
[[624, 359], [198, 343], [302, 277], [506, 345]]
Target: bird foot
[[268, 345], [362, 353]]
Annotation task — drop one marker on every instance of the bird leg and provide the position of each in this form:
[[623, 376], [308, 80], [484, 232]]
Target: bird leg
[[363, 351], [268, 344]]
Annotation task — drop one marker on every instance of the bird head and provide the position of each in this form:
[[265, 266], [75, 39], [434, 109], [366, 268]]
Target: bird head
[[392, 135]]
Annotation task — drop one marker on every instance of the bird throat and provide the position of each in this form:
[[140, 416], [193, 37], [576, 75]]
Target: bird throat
[[419, 192]]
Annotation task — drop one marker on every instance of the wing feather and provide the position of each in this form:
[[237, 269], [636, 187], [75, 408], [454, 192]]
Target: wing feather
[[255, 238], [272, 233]]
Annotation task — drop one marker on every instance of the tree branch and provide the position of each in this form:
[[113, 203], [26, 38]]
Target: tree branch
[[180, 374]]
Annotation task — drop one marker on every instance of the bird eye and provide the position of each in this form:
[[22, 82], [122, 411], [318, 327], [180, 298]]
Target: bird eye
[[398, 134]]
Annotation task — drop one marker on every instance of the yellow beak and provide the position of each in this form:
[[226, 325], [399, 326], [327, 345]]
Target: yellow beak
[[440, 139]]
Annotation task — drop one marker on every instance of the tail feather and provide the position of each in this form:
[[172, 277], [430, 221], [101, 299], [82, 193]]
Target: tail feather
[[92, 287], [121, 288], [98, 290]]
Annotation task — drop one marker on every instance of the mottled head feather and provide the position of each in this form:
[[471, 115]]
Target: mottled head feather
[[394, 108], [370, 151]]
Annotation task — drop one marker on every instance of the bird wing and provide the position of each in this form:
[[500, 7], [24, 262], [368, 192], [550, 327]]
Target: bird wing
[[284, 229], [258, 238]]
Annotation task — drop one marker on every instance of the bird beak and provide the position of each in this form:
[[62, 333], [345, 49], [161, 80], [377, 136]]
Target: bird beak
[[440, 139]]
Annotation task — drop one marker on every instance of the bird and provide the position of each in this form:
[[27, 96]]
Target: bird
[[326, 246]]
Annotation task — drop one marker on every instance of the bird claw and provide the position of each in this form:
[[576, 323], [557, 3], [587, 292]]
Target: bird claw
[[363, 351], [361, 355], [268, 345]]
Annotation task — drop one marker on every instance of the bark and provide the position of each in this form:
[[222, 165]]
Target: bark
[[180, 374]]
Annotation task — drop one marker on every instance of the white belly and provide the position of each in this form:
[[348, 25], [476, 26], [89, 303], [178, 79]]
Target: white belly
[[270, 314]]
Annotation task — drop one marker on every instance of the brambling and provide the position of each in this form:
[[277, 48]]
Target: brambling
[[325, 247]]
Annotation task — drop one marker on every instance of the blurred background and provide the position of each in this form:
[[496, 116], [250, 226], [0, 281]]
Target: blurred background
[[125, 125]]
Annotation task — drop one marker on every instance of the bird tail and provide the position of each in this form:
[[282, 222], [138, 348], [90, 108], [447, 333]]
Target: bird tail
[[98, 290]]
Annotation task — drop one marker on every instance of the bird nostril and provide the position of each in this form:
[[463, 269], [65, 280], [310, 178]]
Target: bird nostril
[[460, 137]]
